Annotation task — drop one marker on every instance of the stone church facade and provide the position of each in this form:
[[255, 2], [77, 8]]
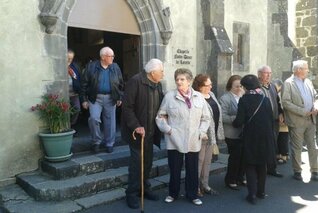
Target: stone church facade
[[219, 37]]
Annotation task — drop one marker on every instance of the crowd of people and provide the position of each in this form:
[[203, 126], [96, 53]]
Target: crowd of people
[[257, 117]]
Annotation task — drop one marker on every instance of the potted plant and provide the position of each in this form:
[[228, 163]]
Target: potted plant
[[57, 139]]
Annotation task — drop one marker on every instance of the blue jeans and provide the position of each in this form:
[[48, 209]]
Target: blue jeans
[[103, 107]]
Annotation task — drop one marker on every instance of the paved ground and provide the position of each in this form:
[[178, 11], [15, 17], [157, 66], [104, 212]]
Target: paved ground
[[284, 195]]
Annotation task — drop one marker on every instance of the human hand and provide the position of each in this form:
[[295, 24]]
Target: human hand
[[85, 105], [118, 103], [140, 131]]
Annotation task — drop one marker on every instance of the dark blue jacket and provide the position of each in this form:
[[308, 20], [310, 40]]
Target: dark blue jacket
[[89, 83], [76, 83]]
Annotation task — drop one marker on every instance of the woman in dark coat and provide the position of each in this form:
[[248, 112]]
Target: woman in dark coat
[[255, 114]]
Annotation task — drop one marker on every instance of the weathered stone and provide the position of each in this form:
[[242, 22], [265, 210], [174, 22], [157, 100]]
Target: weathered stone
[[309, 21], [298, 21], [90, 164], [101, 198], [300, 13], [301, 32], [311, 41], [305, 4], [312, 50], [314, 31], [61, 170], [41, 207], [315, 62]]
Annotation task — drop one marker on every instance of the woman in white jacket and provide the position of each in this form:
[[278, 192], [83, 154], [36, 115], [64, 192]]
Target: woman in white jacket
[[184, 118]]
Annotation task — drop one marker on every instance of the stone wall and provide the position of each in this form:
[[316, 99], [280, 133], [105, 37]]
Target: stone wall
[[307, 32], [25, 70], [281, 48], [255, 14]]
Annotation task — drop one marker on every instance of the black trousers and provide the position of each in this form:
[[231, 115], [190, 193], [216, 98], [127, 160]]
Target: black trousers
[[175, 162], [134, 167], [271, 167], [256, 178], [282, 142], [235, 167]]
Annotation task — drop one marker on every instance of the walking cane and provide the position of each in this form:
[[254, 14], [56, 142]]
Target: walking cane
[[142, 171]]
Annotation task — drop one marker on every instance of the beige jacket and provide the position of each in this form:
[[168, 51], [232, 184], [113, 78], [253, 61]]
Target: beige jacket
[[293, 103], [187, 126]]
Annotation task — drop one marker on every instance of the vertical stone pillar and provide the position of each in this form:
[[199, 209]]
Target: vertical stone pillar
[[219, 60], [306, 34]]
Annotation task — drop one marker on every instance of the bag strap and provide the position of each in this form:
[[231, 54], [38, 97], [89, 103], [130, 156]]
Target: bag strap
[[256, 109]]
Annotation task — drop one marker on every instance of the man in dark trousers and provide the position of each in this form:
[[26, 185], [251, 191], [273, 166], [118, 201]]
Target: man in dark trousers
[[141, 101], [269, 90], [101, 92]]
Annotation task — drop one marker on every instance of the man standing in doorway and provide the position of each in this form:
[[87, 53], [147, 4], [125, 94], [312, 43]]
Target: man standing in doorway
[[269, 90], [142, 99], [74, 85], [101, 92], [300, 101]]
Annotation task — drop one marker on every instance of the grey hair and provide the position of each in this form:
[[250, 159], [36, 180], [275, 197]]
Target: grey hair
[[105, 50], [183, 71], [262, 68], [299, 64], [153, 64]]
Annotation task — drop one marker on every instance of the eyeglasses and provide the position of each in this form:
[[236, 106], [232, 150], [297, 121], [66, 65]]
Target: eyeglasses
[[112, 56]]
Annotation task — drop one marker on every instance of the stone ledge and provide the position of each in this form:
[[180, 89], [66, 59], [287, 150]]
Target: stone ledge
[[43, 187], [15, 200], [89, 164]]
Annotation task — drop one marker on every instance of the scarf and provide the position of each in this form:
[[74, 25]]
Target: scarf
[[186, 98]]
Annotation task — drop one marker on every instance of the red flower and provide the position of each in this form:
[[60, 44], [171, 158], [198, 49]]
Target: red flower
[[55, 112]]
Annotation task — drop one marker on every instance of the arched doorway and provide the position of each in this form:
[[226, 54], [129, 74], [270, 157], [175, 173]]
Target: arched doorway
[[152, 19], [92, 26]]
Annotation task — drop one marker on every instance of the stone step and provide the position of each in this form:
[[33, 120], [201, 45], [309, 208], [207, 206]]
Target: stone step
[[14, 200], [43, 187], [85, 164]]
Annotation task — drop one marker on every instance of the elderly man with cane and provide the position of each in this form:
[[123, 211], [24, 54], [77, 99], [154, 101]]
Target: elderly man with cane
[[142, 98]]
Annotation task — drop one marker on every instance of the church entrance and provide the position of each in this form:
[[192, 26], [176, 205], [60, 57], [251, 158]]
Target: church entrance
[[89, 30]]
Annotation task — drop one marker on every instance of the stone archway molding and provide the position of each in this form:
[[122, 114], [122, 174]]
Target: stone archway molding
[[152, 17]]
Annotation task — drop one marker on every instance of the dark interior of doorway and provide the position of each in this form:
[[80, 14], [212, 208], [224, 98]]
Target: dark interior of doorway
[[86, 43]]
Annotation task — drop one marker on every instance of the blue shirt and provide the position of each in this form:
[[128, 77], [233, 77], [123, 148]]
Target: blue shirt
[[305, 94], [104, 81]]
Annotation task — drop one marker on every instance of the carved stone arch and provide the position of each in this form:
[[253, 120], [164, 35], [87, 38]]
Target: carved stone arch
[[153, 20]]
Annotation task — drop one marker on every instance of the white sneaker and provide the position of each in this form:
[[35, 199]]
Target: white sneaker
[[169, 199], [197, 202]]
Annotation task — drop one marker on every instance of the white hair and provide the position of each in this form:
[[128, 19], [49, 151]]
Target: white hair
[[153, 64], [262, 68], [105, 50], [299, 64]]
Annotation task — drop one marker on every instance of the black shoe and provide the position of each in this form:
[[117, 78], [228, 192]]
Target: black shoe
[[132, 202], [275, 174], [261, 195], [314, 176], [151, 196], [95, 148], [109, 149], [297, 176], [251, 199]]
